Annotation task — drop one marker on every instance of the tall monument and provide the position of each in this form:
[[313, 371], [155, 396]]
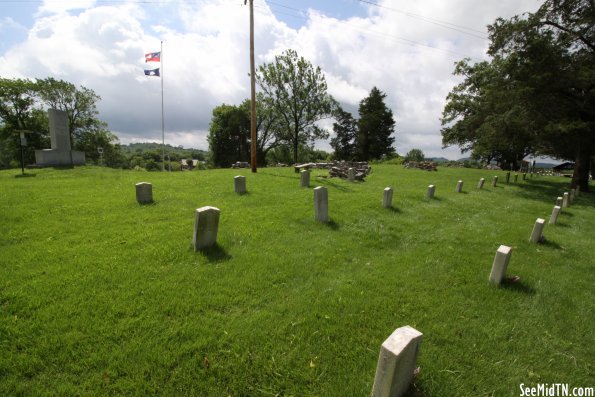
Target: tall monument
[[60, 153]]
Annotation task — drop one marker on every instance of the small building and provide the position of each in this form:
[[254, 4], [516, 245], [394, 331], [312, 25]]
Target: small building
[[186, 165], [565, 169]]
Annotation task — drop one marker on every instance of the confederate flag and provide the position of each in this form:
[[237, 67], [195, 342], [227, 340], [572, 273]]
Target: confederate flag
[[153, 57]]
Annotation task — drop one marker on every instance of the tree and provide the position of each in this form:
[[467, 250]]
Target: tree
[[415, 155], [229, 134], [297, 93], [267, 125], [375, 127], [345, 129], [542, 69]]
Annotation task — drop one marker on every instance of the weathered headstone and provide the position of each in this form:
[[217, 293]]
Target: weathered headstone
[[555, 213], [500, 264], [524, 175], [305, 178], [459, 187], [387, 198], [571, 197], [239, 182], [559, 201], [351, 174], [577, 191], [60, 153], [516, 178], [565, 202], [144, 193], [396, 362], [508, 177], [536, 234], [321, 204], [481, 182], [206, 226], [431, 191], [495, 181]]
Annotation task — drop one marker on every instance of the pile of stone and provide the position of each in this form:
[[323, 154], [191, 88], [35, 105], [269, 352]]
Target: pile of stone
[[422, 165], [240, 164], [339, 169]]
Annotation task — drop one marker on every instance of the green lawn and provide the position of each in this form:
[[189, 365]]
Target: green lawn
[[102, 296]]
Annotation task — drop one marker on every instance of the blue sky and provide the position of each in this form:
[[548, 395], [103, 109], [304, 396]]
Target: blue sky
[[406, 49]]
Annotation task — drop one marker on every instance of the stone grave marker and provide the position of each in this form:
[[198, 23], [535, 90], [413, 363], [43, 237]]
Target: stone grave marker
[[559, 201], [571, 197], [387, 198], [577, 191], [500, 264], [206, 226], [508, 177], [480, 184], [305, 178], [459, 187], [431, 191], [351, 174], [565, 202], [239, 182], [60, 153], [536, 234], [524, 175], [396, 362], [144, 193], [516, 178], [321, 204], [554, 216], [495, 181]]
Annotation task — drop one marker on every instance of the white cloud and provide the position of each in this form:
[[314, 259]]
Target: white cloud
[[206, 54]]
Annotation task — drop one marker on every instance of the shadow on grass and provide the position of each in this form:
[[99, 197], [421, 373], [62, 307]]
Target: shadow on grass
[[545, 190], [216, 253], [551, 244], [517, 286], [394, 209], [435, 198], [331, 224], [415, 390], [332, 184], [297, 176], [147, 204], [25, 175]]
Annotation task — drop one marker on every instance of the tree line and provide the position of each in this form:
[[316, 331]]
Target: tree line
[[537, 93]]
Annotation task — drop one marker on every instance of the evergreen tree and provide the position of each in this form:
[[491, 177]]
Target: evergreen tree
[[375, 127], [345, 129]]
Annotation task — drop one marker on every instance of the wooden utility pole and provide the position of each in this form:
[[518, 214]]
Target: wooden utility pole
[[252, 91]]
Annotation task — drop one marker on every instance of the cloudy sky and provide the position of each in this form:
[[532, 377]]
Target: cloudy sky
[[406, 49]]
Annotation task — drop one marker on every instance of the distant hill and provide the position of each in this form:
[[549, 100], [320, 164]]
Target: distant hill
[[173, 151], [438, 159]]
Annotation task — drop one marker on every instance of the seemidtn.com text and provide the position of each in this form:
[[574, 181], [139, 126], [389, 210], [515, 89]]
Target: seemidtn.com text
[[555, 390]]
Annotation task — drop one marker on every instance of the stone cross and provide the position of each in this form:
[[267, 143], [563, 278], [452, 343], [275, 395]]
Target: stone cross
[[239, 182], [480, 184], [536, 234], [321, 204], [431, 191], [144, 193], [495, 181], [508, 177], [206, 226], [565, 202], [305, 178], [559, 201], [396, 362], [500, 264], [555, 213], [387, 198], [459, 187], [351, 174]]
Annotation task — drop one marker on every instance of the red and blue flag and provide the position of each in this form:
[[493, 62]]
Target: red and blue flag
[[153, 57]]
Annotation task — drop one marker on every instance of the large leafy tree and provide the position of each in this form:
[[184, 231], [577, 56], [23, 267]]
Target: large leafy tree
[[229, 134], [296, 92], [345, 129], [267, 126], [541, 89], [375, 127]]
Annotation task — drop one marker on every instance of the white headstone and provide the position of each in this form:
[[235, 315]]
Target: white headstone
[[351, 174], [480, 184], [500, 264], [206, 226], [536, 234], [459, 188], [144, 193], [321, 204], [495, 181], [305, 178], [239, 182], [396, 362], [559, 201], [565, 202], [431, 191], [387, 198], [555, 213]]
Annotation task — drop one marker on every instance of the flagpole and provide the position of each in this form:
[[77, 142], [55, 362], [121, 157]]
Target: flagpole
[[162, 120]]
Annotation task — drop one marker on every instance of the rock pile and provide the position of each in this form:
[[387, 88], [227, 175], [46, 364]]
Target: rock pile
[[339, 169], [422, 165], [240, 164]]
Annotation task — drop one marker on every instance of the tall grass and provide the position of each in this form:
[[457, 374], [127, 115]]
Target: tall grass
[[102, 296]]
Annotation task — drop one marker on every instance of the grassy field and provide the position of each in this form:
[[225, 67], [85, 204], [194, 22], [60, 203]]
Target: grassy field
[[102, 296]]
